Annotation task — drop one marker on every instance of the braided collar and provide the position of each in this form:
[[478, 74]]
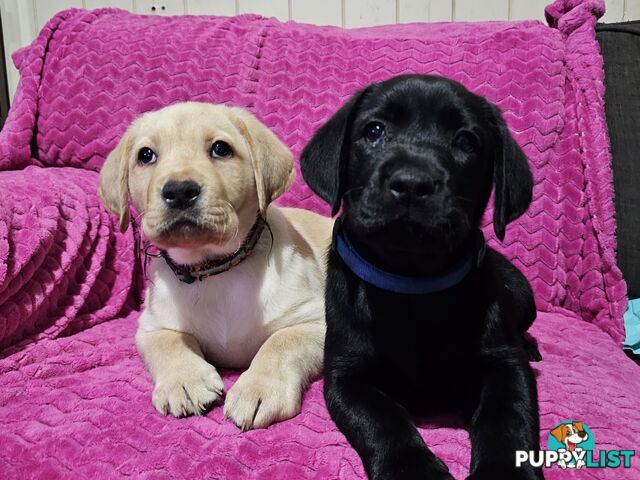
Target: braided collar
[[216, 266]]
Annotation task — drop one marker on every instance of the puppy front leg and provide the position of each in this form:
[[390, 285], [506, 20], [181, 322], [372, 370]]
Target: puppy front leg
[[184, 383], [380, 430], [270, 390], [505, 420]]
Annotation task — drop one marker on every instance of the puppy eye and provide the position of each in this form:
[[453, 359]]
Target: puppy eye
[[221, 149], [146, 156], [373, 131], [466, 141]]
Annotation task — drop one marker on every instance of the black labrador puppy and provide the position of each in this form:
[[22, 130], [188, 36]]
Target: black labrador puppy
[[421, 316]]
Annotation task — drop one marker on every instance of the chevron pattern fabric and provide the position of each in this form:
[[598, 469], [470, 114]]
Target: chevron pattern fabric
[[74, 395]]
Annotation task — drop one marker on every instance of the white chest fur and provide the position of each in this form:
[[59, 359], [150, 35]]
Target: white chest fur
[[233, 313]]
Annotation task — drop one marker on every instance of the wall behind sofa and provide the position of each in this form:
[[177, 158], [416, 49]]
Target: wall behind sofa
[[22, 19]]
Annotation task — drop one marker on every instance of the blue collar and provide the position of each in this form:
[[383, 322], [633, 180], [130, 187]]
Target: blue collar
[[409, 285]]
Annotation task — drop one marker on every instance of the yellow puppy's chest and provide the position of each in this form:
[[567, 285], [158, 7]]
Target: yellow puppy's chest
[[229, 314], [223, 312]]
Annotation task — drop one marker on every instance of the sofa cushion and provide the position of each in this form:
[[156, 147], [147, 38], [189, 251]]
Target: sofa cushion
[[560, 243], [82, 404], [90, 73]]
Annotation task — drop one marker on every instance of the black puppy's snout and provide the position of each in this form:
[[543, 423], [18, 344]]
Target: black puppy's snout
[[181, 195], [407, 185]]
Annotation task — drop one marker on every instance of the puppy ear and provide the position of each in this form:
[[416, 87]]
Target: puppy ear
[[557, 433], [512, 178], [114, 180], [271, 160], [323, 161]]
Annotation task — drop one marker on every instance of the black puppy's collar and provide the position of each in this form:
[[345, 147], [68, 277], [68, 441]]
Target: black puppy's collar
[[216, 266], [410, 285]]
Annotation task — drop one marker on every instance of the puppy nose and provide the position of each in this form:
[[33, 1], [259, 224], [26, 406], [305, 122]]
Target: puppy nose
[[408, 185], [180, 195]]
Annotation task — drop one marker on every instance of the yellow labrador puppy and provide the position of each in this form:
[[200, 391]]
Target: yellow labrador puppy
[[237, 283]]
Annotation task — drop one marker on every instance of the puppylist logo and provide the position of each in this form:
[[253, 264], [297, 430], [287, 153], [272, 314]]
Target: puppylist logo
[[571, 445]]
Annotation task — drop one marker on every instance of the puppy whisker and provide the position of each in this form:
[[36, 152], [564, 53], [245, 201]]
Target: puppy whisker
[[460, 199], [236, 231], [136, 218], [353, 190]]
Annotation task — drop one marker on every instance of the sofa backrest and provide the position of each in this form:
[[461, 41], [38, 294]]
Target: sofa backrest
[[90, 73]]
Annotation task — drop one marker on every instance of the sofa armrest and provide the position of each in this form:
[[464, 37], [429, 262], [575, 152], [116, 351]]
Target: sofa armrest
[[64, 266]]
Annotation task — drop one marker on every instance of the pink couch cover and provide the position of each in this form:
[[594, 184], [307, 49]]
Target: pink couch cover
[[74, 395]]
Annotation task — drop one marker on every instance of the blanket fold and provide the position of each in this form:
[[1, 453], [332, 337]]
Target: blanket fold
[[64, 266]]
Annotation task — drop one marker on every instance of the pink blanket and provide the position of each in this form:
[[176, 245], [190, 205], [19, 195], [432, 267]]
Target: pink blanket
[[74, 396]]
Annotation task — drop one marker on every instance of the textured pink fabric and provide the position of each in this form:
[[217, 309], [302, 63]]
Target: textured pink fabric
[[80, 406], [63, 267], [78, 399]]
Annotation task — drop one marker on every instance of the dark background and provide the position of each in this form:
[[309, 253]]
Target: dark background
[[620, 45]]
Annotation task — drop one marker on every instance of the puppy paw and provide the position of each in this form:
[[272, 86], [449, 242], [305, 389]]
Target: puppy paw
[[190, 390], [257, 400]]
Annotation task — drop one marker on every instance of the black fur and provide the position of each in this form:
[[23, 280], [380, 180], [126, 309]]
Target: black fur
[[411, 204]]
